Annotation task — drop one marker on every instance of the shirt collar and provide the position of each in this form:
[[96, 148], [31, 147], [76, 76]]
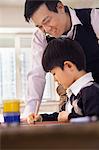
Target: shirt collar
[[79, 84], [74, 19]]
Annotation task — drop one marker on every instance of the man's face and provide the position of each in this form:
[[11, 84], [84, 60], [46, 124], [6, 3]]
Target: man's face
[[64, 77], [55, 24]]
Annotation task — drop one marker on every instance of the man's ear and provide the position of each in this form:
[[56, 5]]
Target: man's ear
[[68, 64], [60, 7]]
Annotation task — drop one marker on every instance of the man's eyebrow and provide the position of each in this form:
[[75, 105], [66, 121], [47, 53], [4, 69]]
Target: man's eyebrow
[[45, 19]]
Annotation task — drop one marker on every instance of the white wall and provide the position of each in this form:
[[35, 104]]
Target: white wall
[[82, 3], [12, 17]]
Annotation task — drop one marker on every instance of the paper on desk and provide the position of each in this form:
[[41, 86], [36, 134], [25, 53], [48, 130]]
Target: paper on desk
[[1, 118]]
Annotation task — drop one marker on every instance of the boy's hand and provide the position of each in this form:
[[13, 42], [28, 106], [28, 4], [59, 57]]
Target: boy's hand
[[33, 117], [63, 116]]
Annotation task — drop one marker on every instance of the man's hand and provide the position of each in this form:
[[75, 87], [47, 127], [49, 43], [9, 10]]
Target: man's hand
[[33, 118], [63, 116]]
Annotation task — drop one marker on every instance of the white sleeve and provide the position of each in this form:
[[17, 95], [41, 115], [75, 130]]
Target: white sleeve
[[36, 77], [95, 21]]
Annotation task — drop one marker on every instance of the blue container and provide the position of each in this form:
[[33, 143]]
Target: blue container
[[11, 117]]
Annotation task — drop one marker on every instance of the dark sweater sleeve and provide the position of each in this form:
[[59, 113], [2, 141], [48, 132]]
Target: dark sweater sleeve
[[91, 101], [88, 102], [73, 115], [50, 117]]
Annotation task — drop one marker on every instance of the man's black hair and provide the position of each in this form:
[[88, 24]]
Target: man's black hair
[[32, 5], [60, 50]]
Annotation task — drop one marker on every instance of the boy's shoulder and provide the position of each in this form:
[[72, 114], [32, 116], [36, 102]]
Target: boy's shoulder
[[92, 89], [94, 85]]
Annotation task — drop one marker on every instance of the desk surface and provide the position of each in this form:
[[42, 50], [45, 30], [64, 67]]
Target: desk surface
[[51, 135]]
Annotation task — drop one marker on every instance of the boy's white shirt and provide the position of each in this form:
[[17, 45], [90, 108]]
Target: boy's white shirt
[[84, 81], [36, 77]]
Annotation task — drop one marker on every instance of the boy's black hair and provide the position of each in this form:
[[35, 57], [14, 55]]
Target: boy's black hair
[[60, 50], [32, 5]]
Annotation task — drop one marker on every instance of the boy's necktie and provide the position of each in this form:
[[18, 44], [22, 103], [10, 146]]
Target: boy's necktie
[[72, 98]]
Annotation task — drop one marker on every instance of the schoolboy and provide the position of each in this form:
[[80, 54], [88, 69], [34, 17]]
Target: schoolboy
[[65, 59]]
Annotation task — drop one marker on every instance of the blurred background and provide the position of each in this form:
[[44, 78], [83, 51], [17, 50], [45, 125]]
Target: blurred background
[[15, 52]]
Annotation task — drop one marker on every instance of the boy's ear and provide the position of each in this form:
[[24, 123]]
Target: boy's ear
[[68, 64], [60, 7]]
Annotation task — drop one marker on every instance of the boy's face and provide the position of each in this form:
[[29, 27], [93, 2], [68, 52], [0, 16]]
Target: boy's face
[[54, 24], [64, 77]]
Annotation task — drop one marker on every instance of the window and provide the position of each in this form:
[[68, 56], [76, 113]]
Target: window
[[15, 61]]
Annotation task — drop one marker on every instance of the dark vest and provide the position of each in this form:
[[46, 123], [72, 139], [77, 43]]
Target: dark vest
[[86, 36]]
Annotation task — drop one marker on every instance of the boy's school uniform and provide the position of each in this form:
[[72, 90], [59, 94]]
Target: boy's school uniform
[[84, 97]]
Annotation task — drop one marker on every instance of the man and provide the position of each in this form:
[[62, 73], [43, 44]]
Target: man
[[51, 17]]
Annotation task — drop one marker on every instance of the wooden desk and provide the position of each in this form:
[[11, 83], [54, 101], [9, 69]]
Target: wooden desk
[[51, 136]]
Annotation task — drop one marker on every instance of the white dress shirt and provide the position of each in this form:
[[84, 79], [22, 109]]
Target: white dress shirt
[[36, 77], [84, 81]]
